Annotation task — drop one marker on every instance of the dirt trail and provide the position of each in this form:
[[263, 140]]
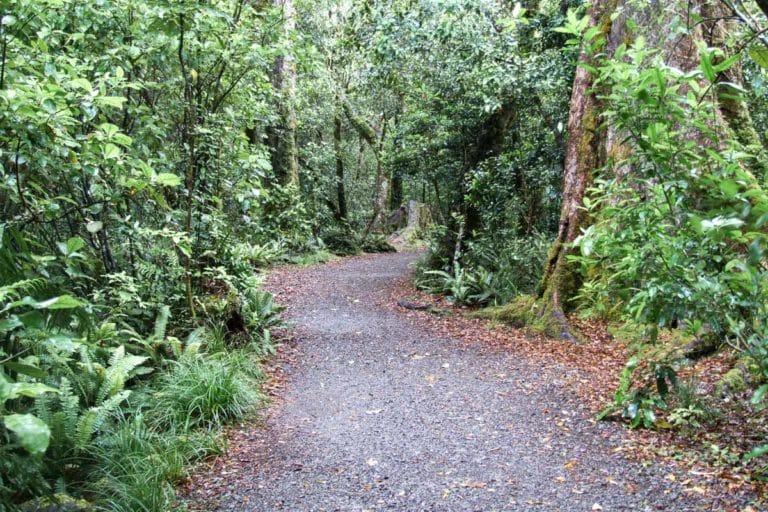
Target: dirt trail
[[377, 414]]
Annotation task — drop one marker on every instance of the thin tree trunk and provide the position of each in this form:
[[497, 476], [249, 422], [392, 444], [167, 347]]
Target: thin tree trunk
[[341, 198], [282, 137], [188, 135], [396, 194], [375, 139], [378, 221]]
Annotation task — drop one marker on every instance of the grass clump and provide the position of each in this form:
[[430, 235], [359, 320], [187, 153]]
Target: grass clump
[[137, 465], [207, 392]]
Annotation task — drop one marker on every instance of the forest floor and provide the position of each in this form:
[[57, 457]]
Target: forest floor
[[380, 408]]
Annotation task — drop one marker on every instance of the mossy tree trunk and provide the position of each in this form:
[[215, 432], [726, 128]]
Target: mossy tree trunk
[[584, 152], [378, 222], [374, 136], [591, 148], [282, 136], [734, 109], [341, 198]]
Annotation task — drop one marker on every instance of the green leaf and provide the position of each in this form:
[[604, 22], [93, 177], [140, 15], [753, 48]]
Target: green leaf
[[110, 151], [759, 54], [74, 244], [26, 369], [60, 302], [94, 226], [707, 68], [28, 389], [727, 63], [110, 101], [167, 179], [10, 323], [33, 434], [759, 394], [81, 83], [49, 105], [756, 452], [729, 188]]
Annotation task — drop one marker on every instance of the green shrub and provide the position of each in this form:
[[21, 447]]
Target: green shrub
[[341, 241]]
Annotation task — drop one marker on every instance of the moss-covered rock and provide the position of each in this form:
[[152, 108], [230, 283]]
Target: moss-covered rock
[[745, 373], [732, 382]]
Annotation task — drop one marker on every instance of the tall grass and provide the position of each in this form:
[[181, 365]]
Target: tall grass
[[174, 421], [136, 465], [206, 392]]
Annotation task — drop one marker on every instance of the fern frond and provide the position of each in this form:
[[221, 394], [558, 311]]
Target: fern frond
[[161, 322], [92, 420], [121, 368]]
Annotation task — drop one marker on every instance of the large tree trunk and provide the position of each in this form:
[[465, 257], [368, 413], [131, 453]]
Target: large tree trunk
[[282, 136], [583, 154], [590, 148], [734, 111]]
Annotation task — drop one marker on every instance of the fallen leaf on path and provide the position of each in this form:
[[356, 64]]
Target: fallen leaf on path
[[472, 484]]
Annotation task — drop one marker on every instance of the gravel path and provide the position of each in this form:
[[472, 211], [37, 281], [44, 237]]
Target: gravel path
[[379, 415]]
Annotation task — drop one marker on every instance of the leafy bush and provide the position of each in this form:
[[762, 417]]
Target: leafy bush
[[376, 243], [679, 241], [261, 315], [516, 262], [340, 240]]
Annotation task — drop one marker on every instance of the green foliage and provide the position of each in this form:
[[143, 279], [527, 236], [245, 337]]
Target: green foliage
[[123, 480], [689, 409], [692, 238], [205, 392], [127, 177], [458, 286], [261, 315], [639, 405], [494, 272], [376, 243]]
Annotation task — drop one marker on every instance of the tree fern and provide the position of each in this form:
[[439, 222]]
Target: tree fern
[[20, 288]]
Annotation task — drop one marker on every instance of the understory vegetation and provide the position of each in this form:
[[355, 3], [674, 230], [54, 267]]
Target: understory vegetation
[[561, 161]]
